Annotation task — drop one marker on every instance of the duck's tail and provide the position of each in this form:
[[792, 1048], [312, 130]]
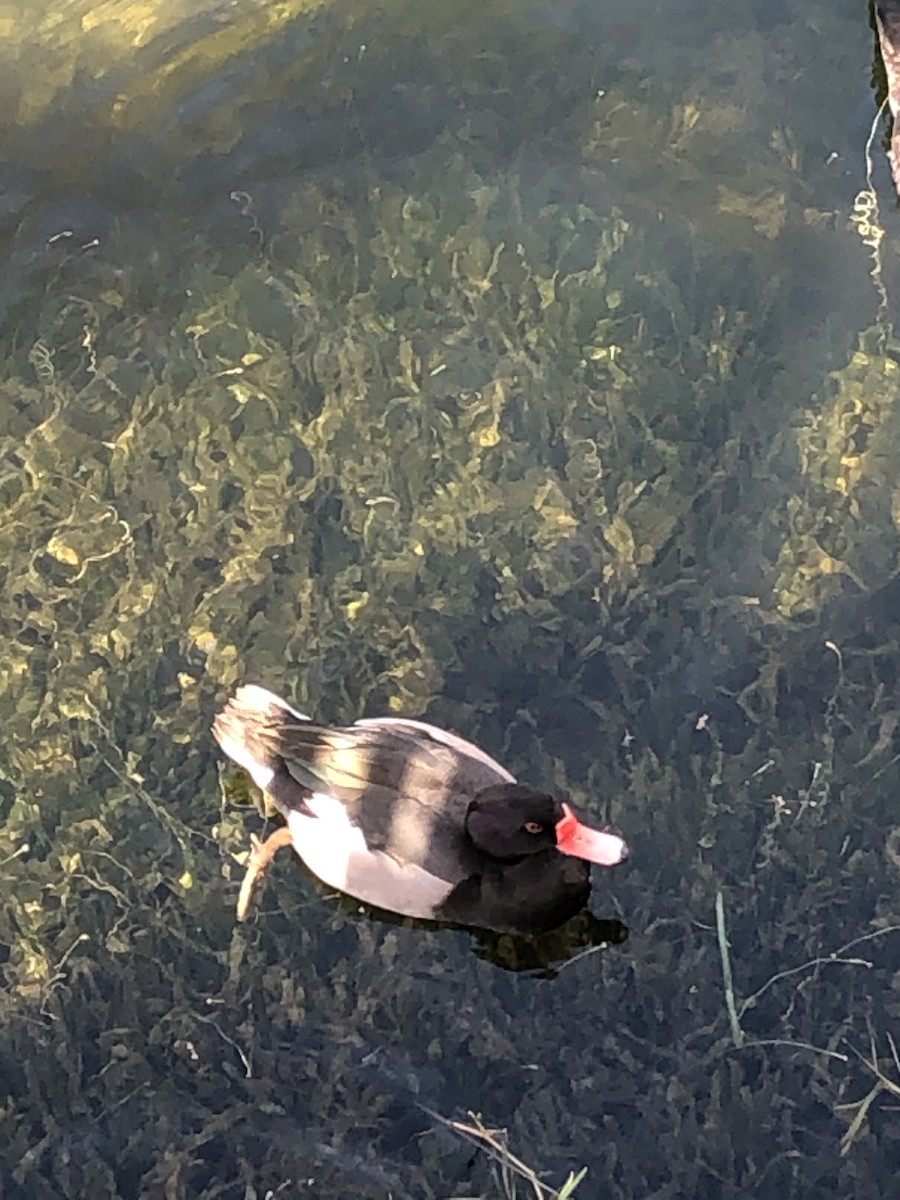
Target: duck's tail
[[248, 730]]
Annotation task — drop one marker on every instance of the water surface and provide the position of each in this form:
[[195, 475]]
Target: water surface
[[515, 366]]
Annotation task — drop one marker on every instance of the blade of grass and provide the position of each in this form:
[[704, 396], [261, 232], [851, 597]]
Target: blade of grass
[[736, 1032]]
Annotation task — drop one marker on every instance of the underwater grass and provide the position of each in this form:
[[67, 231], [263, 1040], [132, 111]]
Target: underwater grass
[[510, 1167], [461, 429]]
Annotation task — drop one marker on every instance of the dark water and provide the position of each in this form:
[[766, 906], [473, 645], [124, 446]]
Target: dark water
[[515, 366]]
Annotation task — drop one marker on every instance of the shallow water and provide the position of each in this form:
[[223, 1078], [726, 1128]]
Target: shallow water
[[521, 369]]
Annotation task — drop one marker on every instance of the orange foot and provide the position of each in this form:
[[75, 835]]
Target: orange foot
[[261, 854]]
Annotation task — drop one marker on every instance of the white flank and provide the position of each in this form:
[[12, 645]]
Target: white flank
[[335, 850]]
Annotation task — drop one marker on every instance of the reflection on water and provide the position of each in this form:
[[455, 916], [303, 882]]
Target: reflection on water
[[514, 367]]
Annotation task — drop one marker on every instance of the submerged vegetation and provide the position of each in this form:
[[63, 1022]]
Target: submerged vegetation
[[458, 417]]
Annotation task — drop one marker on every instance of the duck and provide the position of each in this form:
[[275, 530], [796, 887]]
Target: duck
[[411, 819]]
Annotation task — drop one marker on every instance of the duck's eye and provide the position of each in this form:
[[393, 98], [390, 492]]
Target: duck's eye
[[533, 827]]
